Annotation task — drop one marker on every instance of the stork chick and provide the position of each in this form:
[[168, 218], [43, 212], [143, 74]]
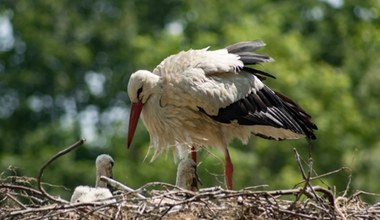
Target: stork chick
[[187, 177], [104, 164]]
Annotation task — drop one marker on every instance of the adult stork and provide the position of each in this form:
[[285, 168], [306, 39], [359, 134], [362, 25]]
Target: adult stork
[[207, 98]]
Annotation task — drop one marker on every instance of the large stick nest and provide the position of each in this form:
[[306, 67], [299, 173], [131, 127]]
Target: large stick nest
[[19, 200], [25, 198]]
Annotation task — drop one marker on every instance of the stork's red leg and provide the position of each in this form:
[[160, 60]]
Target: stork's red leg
[[193, 154], [229, 169], [194, 186]]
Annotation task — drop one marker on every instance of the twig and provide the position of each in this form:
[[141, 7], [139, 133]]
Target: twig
[[307, 184], [96, 209], [28, 196], [255, 187], [56, 207], [304, 216], [348, 185], [121, 186], [15, 200], [326, 174], [164, 184], [24, 188], [60, 153], [305, 178], [118, 210], [358, 193]]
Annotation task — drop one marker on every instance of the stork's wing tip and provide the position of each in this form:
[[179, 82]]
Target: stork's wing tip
[[259, 42], [311, 137], [245, 46]]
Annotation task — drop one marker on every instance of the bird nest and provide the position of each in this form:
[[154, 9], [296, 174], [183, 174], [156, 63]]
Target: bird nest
[[25, 198], [20, 200]]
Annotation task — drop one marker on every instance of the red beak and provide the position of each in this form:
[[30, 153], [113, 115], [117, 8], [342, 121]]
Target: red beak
[[134, 116]]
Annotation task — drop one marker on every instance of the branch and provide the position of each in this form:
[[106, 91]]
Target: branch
[[15, 200], [47, 163], [121, 186]]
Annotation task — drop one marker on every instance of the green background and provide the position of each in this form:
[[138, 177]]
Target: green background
[[65, 65]]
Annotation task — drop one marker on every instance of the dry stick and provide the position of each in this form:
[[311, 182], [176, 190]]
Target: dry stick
[[54, 207], [50, 214], [213, 194], [27, 196], [272, 192], [167, 210], [164, 184], [121, 186], [95, 210], [118, 210], [307, 182], [309, 176], [15, 200], [217, 192], [299, 163], [358, 193], [171, 206], [306, 179], [331, 196], [332, 201], [62, 152], [255, 187], [317, 176], [24, 188], [310, 163], [141, 208], [303, 216], [348, 185], [326, 174]]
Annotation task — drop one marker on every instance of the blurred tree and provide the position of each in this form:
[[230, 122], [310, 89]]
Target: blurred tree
[[64, 68]]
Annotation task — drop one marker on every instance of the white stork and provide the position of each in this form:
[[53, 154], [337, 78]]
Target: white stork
[[207, 98]]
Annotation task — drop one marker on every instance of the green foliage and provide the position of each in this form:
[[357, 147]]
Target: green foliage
[[65, 68]]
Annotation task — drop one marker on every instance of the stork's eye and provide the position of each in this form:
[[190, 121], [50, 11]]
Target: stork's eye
[[139, 92], [111, 163]]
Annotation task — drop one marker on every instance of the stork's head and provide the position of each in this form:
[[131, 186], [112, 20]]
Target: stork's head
[[140, 88], [140, 85], [104, 164]]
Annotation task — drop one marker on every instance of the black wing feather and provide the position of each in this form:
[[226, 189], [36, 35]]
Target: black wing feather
[[265, 106], [260, 74], [245, 50]]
